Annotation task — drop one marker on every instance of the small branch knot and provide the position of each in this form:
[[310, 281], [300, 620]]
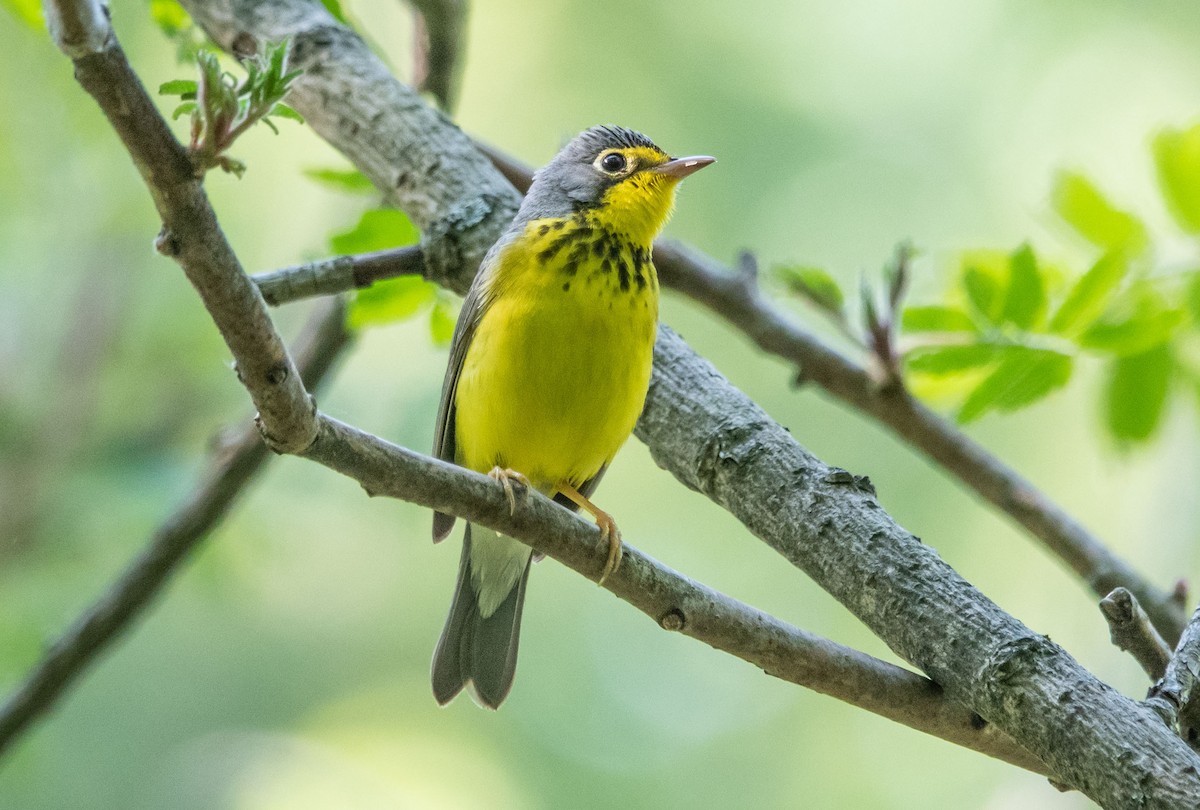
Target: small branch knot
[[277, 374], [673, 620], [167, 243], [244, 45]]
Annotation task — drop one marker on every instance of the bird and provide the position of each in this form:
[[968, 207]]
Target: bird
[[548, 371]]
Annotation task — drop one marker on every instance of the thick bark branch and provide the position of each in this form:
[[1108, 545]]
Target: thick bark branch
[[233, 466], [1173, 697]]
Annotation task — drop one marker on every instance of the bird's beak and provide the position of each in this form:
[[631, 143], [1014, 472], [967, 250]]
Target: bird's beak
[[679, 168]]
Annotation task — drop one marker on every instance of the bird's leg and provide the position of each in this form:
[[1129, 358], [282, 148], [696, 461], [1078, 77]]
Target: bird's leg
[[506, 476], [608, 527]]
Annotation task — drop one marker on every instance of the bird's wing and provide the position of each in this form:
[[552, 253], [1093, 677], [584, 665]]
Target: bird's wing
[[473, 308]]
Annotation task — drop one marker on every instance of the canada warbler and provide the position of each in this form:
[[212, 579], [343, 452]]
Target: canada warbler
[[548, 372]]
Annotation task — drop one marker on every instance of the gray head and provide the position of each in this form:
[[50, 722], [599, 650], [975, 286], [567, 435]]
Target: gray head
[[618, 174]]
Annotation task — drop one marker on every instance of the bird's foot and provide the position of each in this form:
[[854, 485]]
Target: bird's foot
[[506, 477], [608, 528], [609, 532]]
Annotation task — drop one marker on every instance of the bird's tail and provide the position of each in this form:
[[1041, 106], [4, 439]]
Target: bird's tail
[[475, 650]]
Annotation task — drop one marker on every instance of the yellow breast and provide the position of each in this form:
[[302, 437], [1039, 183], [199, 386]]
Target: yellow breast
[[556, 374]]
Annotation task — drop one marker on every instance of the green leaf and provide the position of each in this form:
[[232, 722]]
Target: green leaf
[[178, 87], [1177, 158], [984, 280], [185, 107], [169, 16], [1025, 300], [1138, 322], [814, 284], [1090, 295], [334, 7], [442, 319], [28, 12], [1137, 393], [936, 318], [350, 180], [377, 229], [284, 111], [1088, 211], [391, 300], [1023, 376], [943, 360], [1192, 297]]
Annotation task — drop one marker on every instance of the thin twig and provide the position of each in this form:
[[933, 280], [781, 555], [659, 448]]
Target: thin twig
[[1172, 697], [233, 465], [1131, 631], [339, 274]]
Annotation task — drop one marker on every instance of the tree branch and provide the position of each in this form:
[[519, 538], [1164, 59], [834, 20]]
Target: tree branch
[[716, 441], [232, 467], [1172, 697], [1131, 631], [673, 601], [444, 23]]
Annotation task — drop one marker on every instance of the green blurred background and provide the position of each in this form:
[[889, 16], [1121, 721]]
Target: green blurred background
[[287, 666]]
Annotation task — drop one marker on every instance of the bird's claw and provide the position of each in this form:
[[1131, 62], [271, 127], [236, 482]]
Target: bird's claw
[[609, 532], [506, 477]]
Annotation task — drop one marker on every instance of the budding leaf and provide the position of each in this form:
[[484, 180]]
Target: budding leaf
[[1025, 299], [1088, 211], [1090, 295], [1137, 323], [814, 284], [944, 360], [178, 87], [984, 280], [1023, 376], [937, 318], [284, 111]]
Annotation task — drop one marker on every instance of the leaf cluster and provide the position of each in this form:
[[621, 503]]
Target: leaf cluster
[[222, 108], [1013, 327]]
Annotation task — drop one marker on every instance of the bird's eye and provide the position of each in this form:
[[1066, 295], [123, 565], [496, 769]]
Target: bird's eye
[[613, 162]]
